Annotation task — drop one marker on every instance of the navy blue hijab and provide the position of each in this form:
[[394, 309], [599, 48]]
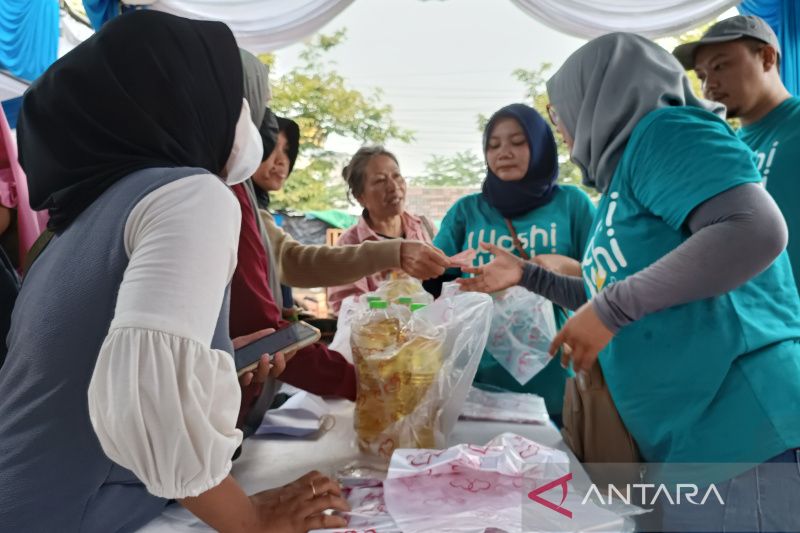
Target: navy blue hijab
[[538, 186]]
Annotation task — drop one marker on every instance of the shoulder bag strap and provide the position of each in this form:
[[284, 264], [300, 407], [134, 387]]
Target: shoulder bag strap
[[517, 244]]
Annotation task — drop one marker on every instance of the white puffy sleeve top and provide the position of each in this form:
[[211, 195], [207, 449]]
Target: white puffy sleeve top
[[163, 402]]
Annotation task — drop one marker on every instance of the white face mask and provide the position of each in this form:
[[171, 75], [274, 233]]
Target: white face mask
[[246, 152]]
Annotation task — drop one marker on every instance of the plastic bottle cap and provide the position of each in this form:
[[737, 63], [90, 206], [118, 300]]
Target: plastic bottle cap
[[405, 300], [378, 304], [417, 307]]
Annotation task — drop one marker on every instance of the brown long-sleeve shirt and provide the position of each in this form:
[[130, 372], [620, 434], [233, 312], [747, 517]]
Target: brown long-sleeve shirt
[[302, 265]]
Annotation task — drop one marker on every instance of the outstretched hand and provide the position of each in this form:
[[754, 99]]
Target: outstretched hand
[[502, 272]]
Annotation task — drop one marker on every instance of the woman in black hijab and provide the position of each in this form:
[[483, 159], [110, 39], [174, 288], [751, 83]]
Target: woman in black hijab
[[127, 140], [105, 110]]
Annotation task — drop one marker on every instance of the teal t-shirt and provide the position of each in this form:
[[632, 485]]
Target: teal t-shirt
[[715, 380], [560, 227], [776, 141]]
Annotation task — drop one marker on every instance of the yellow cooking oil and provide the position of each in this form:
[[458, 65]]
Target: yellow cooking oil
[[395, 372]]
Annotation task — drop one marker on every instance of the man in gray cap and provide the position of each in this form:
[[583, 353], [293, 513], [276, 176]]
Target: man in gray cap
[[738, 62]]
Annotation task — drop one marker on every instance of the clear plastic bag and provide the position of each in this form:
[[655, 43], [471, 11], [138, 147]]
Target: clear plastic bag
[[415, 370], [523, 326], [351, 306], [403, 291]]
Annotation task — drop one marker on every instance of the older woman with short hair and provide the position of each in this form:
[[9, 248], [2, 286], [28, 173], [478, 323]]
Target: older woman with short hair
[[373, 178]]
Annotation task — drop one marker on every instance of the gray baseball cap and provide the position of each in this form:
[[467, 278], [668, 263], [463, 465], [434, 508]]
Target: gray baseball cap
[[728, 30]]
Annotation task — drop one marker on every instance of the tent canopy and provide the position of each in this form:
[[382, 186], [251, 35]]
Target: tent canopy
[[29, 29]]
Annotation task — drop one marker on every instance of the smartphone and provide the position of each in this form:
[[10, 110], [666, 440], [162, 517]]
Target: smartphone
[[287, 339]]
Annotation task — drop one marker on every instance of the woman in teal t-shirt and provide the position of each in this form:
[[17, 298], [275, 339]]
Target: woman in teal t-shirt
[[686, 295], [520, 187]]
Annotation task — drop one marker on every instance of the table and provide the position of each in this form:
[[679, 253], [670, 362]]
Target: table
[[270, 462]]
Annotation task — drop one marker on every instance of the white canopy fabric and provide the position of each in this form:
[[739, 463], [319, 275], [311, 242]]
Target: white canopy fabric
[[652, 18], [264, 25], [260, 25]]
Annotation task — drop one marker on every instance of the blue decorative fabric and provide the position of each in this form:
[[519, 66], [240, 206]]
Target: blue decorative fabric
[[784, 18], [28, 36], [100, 11]]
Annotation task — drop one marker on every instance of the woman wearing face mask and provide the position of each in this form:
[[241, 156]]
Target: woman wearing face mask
[[520, 193], [298, 264], [373, 177], [119, 392], [256, 301], [687, 298], [251, 295]]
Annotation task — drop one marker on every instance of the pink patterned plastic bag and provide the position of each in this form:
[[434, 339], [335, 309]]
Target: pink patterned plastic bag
[[478, 489], [468, 488]]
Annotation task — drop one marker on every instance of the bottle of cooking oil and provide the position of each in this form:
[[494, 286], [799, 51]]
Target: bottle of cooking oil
[[419, 362], [396, 368], [374, 341]]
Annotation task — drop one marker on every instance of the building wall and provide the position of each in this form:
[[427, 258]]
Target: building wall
[[434, 202]]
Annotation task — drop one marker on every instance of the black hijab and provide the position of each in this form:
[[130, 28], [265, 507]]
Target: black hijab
[[291, 129], [537, 187], [148, 90]]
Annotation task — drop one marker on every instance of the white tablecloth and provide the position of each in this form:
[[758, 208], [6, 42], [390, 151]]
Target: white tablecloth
[[273, 461]]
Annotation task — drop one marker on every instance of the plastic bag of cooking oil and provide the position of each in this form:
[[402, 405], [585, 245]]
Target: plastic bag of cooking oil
[[415, 369]]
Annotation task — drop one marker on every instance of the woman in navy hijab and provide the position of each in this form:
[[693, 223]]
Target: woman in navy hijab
[[523, 210]]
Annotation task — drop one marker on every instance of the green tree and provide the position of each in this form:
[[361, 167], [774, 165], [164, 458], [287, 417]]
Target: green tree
[[316, 96], [669, 43], [463, 169]]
